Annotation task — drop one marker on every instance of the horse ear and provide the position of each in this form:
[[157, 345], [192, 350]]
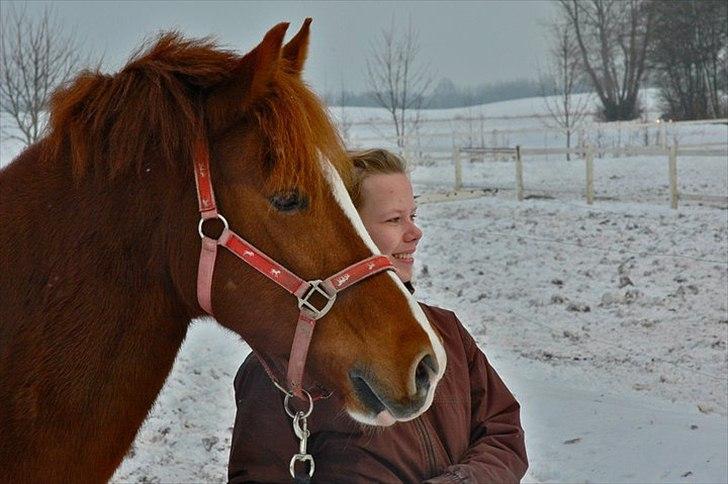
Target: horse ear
[[260, 64], [296, 49], [249, 80]]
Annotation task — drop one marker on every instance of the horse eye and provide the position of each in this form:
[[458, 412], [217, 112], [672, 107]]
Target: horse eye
[[288, 201]]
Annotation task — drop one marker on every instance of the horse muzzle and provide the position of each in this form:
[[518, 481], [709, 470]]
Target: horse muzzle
[[384, 409]]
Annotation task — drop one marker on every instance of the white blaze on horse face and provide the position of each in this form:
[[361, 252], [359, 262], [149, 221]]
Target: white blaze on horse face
[[347, 205], [344, 200]]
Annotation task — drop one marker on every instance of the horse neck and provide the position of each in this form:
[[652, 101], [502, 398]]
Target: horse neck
[[89, 289], [105, 237]]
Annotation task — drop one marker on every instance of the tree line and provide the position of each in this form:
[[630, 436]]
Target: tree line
[[689, 58], [680, 47], [619, 46], [610, 47], [446, 94]]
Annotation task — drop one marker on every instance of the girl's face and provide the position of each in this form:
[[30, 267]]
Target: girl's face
[[388, 211]]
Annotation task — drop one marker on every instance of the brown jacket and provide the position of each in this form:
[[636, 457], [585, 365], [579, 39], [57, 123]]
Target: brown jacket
[[471, 434]]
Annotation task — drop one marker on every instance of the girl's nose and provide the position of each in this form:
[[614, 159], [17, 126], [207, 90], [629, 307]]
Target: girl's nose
[[413, 232]]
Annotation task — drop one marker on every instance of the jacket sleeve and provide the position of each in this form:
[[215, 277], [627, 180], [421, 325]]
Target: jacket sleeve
[[497, 451], [263, 441]]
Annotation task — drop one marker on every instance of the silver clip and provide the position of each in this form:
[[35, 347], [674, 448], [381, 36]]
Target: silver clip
[[300, 428]]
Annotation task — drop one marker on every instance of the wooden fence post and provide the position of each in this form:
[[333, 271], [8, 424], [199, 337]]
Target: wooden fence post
[[672, 162], [519, 174], [589, 174], [458, 168]]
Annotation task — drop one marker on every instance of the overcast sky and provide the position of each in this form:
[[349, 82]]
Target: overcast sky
[[469, 42]]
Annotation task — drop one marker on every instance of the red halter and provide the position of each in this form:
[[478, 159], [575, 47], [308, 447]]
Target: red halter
[[303, 290]]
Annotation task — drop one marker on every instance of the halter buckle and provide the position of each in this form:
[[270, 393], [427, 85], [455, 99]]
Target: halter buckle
[[316, 287]]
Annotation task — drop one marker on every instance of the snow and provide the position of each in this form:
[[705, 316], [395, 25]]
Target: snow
[[609, 321], [579, 430], [523, 122]]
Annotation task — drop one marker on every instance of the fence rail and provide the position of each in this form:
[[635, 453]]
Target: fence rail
[[517, 153], [471, 138]]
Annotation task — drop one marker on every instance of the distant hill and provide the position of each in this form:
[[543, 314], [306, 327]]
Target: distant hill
[[448, 95]]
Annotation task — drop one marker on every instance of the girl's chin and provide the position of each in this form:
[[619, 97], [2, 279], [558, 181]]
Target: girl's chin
[[404, 273]]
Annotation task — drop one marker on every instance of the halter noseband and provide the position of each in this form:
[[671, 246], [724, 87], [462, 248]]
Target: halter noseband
[[303, 290]]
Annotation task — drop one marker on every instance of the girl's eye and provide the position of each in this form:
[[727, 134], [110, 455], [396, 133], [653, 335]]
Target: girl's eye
[[288, 201]]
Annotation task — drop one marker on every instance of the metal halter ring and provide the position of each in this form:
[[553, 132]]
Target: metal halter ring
[[203, 220], [293, 413]]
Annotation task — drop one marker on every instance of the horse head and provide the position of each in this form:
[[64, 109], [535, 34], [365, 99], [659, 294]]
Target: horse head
[[277, 164]]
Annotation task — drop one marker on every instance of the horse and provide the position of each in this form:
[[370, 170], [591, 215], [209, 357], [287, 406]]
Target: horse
[[99, 250]]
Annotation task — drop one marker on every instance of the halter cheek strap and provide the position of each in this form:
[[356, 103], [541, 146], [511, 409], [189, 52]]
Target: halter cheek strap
[[323, 290]]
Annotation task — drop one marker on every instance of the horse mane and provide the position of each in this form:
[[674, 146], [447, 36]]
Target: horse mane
[[150, 110]]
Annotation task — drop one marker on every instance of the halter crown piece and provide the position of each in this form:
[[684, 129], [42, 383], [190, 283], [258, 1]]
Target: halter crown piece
[[303, 290]]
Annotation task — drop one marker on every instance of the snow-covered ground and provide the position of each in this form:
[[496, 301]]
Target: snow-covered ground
[[609, 322]]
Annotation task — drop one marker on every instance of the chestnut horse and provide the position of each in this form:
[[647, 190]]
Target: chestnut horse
[[99, 252]]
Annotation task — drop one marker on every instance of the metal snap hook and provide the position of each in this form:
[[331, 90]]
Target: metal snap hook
[[302, 458]]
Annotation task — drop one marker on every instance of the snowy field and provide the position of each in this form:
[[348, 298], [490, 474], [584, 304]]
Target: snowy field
[[523, 122], [608, 322]]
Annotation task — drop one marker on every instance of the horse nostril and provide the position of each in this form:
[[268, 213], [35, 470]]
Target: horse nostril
[[426, 368], [365, 393], [431, 363]]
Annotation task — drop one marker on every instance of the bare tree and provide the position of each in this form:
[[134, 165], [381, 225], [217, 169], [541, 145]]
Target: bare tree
[[613, 37], [690, 63], [397, 79], [561, 79], [36, 56], [345, 122]]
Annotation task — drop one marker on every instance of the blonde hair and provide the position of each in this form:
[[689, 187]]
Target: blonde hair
[[373, 162]]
